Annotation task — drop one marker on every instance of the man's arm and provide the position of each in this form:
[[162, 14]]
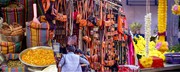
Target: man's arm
[[61, 62], [59, 69], [84, 61]]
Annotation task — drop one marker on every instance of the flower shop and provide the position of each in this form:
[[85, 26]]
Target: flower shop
[[114, 35]]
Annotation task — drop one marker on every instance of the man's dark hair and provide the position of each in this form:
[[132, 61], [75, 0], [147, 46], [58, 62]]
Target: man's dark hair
[[70, 48], [79, 51]]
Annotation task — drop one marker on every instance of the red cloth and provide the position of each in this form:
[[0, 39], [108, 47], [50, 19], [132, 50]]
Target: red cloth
[[157, 62], [75, 15]]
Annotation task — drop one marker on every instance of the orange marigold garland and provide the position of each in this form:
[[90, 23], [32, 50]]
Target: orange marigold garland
[[162, 45]]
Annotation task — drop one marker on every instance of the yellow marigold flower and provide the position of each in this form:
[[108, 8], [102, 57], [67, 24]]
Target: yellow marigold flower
[[162, 56], [146, 62]]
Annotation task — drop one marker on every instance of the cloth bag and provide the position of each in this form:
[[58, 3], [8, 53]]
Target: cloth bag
[[28, 8], [10, 47], [14, 12], [72, 40], [37, 34], [5, 68]]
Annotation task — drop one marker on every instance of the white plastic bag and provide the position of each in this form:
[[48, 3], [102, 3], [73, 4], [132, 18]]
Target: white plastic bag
[[51, 68]]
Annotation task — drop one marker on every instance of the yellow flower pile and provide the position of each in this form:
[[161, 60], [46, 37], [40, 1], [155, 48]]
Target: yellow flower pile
[[39, 57], [146, 61], [162, 23], [140, 48]]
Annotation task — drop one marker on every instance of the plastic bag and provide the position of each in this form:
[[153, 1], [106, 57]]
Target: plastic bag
[[72, 40]]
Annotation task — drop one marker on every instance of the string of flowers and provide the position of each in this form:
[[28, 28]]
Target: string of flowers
[[162, 45], [147, 61], [147, 31]]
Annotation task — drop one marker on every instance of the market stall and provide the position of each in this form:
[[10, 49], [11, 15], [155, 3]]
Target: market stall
[[97, 27]]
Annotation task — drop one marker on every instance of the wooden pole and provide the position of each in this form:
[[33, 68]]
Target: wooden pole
[[102, 51]]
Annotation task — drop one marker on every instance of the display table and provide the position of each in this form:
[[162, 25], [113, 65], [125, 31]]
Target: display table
[[165, 68]]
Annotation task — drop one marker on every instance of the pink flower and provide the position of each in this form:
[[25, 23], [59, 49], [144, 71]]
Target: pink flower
[[158, 45], [175, 7]]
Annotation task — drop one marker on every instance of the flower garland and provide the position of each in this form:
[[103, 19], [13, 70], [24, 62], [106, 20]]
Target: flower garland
[[147, 31], [176, 8], [147, 61], [162, 22], [162, 16]]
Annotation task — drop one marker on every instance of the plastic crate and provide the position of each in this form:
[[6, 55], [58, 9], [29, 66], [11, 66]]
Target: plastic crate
[[173, 58]]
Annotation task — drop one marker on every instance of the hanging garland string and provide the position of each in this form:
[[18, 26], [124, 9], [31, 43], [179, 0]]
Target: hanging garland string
[[162, 45], [147, 61], [147, 26]]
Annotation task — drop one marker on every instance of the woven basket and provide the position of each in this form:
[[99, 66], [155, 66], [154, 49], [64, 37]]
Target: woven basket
[[6, 29], [14, 39]]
